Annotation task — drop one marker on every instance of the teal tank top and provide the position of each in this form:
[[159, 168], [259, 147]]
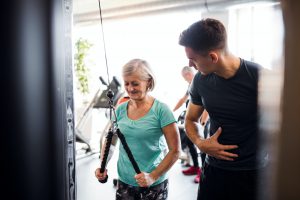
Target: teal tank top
[[145, 139]]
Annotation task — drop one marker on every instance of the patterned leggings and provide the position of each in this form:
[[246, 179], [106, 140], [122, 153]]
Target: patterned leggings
[[129, 192]]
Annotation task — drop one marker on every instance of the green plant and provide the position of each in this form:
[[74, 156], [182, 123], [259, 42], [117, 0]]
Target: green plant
[[81, 70]]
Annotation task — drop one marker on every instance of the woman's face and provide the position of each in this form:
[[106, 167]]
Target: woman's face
[[135, 87]]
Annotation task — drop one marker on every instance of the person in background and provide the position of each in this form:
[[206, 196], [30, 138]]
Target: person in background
[[151, 133], [225, 86], [188, 75], [204, 121], [122, 100]]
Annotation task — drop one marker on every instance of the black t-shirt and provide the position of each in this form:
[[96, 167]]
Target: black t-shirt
[[232, 105]]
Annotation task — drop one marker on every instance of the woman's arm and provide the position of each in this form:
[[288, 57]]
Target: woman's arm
[[171, 134]]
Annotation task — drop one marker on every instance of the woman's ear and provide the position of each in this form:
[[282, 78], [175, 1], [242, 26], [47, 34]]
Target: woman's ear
[[214, 57], [149, 84]]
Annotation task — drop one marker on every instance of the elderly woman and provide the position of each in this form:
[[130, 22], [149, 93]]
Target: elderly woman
[[151, 133]]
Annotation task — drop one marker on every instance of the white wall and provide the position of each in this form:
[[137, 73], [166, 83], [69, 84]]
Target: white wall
[[255, 32], [153, 38]]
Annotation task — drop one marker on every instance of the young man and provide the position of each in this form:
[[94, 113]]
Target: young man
[[225, 86]]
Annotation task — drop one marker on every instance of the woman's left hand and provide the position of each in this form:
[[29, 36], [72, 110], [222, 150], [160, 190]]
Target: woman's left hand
[[144, 179]]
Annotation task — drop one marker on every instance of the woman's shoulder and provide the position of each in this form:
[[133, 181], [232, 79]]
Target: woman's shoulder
[[122, 106], [159, 105]]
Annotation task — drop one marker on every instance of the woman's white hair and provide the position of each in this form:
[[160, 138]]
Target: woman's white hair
[[143, 69]]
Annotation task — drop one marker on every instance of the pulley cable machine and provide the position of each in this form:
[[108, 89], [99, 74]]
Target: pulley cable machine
[[113, 130]]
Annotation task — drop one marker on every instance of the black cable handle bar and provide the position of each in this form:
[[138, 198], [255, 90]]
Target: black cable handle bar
[[109, 136]]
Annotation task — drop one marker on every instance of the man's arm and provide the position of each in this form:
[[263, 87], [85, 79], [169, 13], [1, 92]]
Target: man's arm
[[210, 146], [192, 118], [180, 102]]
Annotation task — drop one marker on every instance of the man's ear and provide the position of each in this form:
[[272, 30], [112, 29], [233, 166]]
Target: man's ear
[[213, 56]]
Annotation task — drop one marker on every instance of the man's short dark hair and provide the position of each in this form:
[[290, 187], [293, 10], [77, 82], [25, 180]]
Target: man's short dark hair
[[204, 35]]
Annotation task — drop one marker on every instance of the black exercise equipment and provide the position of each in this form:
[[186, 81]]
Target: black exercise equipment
[[99, 101], [114, 86], [115, 130]]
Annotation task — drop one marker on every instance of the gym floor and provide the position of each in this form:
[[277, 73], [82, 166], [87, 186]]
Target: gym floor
[[88, 188]]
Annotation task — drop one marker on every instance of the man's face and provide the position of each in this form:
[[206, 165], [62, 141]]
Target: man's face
[[198, 61]]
